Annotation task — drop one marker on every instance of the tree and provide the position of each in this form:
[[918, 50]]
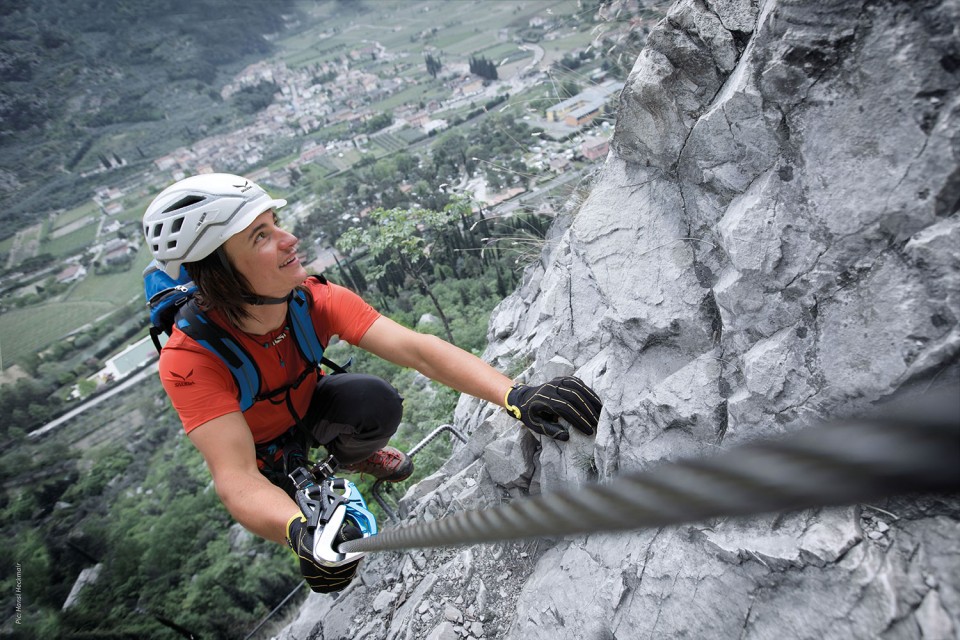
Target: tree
[[433, 65], [484, 68], [249, 100], [569, 88], [373, 124], [402, 239]]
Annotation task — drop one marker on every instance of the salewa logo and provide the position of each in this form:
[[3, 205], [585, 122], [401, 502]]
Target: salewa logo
[[184, 381], [243, 187]]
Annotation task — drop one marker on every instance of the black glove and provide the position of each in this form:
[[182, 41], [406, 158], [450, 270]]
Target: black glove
[[321, 579], [540, 408]]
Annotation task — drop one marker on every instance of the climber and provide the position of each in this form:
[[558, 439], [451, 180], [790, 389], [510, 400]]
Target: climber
[[224, 230]]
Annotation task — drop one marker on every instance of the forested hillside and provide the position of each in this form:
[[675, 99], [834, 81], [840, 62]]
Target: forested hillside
[[85, 83]]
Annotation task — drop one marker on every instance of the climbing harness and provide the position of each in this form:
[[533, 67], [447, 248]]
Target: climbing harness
[[326, 501], [829, 465]]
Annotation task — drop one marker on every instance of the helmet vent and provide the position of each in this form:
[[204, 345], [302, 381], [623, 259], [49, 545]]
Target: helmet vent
[[176, 225], [184, 202], [172, 244]]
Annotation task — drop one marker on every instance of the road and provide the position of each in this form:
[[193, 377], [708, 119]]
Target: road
[[143, 374], [537, 57]]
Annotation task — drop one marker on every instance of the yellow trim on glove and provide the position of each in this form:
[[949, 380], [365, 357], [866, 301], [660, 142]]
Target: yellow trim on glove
[[514, 410], [286, 530]]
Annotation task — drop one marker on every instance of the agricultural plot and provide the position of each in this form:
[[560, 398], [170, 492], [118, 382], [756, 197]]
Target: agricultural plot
[[67, 218], [340, 161], [555, 49], [457, 30], [66, 229], [412, 95], [76, 239], [134, 207], [24, 244], [29, 330], [326, 164], [388, 142], [112, 289], [409, 136]]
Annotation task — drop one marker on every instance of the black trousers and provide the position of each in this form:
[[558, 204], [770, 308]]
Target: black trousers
[[352, 415]]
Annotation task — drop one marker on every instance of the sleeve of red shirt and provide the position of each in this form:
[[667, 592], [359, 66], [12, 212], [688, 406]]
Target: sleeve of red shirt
[[339, 311]]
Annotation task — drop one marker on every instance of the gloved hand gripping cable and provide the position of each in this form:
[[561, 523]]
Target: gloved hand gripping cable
[[332, 511]]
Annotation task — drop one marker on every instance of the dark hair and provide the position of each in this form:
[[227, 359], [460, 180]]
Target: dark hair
[[220, 286]]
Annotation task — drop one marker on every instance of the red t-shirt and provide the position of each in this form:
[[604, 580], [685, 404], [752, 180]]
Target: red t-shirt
[[200, 384]]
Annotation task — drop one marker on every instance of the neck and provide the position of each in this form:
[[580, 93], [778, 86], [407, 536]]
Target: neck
[[264, 318]]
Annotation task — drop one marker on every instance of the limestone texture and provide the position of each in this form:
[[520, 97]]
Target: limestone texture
[[773, 240]]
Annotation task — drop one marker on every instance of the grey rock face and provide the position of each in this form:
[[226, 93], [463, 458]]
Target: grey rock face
[[774, 239]]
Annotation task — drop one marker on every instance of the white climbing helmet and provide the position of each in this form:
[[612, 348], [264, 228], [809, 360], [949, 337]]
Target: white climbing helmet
[[191, 218]]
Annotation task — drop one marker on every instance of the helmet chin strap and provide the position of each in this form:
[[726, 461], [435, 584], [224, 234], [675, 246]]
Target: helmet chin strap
[[261, 300]]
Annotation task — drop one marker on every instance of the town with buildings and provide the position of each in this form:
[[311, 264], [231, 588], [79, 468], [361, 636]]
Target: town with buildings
[[301, 106], [312, 99]]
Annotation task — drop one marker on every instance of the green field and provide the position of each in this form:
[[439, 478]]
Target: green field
[[133, 208], [556, 49], [29, 330], [87, 209], [388, 142], [71, 243], [112, 289], [6, 244], [463, 28], [412, 94]]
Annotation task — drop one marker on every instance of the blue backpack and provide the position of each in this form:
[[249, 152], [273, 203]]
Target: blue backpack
[[171, 302]]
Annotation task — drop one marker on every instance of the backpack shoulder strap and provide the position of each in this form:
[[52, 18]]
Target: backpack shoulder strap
[[304, 333], [155, 333], [211, 336], [298, 314]]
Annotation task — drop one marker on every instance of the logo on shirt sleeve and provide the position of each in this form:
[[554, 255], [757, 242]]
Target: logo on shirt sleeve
[[183, 381]]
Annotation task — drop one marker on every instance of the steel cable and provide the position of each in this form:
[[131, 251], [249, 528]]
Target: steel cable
[[823, 466]]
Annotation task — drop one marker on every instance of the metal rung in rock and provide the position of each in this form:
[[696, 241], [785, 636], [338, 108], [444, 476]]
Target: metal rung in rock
[[375, 490]]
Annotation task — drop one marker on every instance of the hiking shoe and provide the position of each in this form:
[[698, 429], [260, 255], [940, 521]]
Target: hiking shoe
[[388, 464]]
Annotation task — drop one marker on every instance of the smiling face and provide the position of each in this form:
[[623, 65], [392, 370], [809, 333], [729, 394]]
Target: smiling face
[[266, 256]]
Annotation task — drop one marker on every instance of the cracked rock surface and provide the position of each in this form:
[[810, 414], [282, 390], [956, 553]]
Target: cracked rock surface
[[774, 239]]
